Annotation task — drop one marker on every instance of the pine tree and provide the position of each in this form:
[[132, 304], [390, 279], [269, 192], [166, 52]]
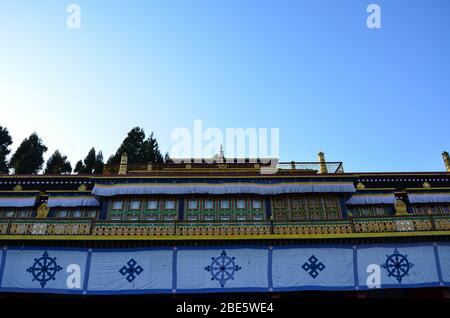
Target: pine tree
[[5, 142], [92, 163], [167, 158], [132, 145], [99, 163], [79, 167], [139, 149], [150, 151], [58, 164], [29, 157]]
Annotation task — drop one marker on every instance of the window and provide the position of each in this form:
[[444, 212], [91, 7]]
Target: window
[[240, 204], [170, 204], [257, 217], [133, 217], [169, 217], [209, 217], [330, 202], [256, 203], [135, 205], [152, 204], [313, 203], [150, 217], [192, 204], [224, 204], [9, 213], [208, 204], [241, 217], [62, 214], [379, 210], [91, 214], [192, 217], [117, 205], [77, 214], [116, 217], [24, 214], [224, 217]]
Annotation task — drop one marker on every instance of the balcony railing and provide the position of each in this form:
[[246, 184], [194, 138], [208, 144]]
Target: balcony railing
[[231, 166], [250, 229]]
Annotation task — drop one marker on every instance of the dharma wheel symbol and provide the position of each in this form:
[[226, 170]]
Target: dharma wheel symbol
[[397, 265], [44, 269], [222, 268]]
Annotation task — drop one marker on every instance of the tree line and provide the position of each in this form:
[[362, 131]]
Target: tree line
[[29, 156]]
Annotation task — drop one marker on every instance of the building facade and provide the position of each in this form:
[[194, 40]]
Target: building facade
[[223, 226]]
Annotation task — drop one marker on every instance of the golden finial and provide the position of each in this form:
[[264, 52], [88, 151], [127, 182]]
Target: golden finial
[[446, 158], [82, 187], [123, 164], [323, 165], [426, 185], [17, 188], [360, 186]]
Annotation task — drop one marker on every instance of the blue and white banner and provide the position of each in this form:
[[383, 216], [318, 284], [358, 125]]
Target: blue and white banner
[[128, 271], [49, 270], [398, 266], [312, 268], [156, 270], [222, 269], [444, 263]]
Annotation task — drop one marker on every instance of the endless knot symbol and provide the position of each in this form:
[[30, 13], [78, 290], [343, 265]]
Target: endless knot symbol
[[397, 265], [222, 268], [313, 267], [131, 270], [44, 269]]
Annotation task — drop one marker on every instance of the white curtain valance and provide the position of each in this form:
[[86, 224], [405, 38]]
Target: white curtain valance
[[17, 202], [429, 197], [222, 188], [367, 199], [72, 201]]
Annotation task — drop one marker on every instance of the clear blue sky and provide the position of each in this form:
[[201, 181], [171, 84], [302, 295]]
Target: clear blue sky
[[378, 100]]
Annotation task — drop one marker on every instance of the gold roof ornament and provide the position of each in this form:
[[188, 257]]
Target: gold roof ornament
[[82, 187], [123, 164], [17, 188], [42, 211], [446, 158], [426, 185], [400, 207], [360, 186], [323, 165]]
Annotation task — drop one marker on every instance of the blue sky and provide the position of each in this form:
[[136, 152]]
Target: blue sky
[[376, 99]]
